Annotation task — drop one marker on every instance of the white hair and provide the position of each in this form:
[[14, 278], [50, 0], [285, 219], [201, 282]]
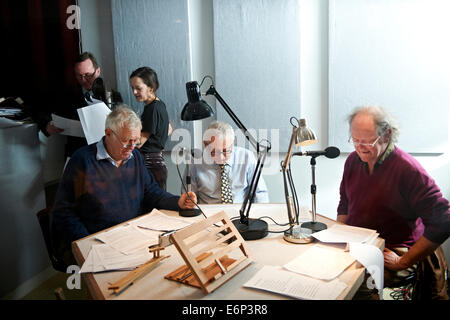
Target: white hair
[[383, 120], [219, 130], [122, 116]]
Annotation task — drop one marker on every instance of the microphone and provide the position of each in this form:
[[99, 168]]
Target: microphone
[[195, 154], [100, 92], [98, 89], [330, 152]]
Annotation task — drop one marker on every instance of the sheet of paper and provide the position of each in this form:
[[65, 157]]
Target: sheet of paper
[[92, 263], [104, 258], [321, 263], [373, 260], [92, 120], [71, 127], [128, 238], [278, 280], [344, 234], [156, 220]]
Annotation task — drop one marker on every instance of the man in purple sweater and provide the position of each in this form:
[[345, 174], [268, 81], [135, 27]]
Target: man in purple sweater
[[386, 189]]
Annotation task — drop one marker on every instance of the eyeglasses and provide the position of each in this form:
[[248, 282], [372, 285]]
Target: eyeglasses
[[87, 76], [369, 145], [221, 153], [125, 145]]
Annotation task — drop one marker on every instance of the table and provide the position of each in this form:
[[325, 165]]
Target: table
[[271, 250]]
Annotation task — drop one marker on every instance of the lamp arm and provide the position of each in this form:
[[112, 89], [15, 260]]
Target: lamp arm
[[212, 91], [287, 160], [289, 189], [247, 204], [261, 151]]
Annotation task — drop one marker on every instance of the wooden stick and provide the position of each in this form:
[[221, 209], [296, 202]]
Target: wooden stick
[[138, 273]]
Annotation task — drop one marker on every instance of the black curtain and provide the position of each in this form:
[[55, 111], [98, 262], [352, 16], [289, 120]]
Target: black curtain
[[38, 50]]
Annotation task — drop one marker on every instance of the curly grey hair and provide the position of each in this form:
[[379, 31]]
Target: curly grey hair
[[383, 120]]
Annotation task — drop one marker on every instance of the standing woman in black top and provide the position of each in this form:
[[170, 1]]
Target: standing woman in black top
[[155, 122]]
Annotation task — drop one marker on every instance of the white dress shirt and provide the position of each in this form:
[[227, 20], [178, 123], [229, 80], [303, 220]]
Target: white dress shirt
[[206, 179]]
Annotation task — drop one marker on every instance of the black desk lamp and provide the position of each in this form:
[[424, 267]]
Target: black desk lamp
[[197, 109], [301, 136]]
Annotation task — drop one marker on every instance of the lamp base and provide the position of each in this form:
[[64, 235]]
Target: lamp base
[[256, 229], [314, 226], [298, 235], [189, 212]]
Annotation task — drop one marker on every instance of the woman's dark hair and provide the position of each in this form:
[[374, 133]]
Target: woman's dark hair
[[148, 76]]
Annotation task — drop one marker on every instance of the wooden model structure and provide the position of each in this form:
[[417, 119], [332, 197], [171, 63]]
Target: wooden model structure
[[205, 247], [138, 273]]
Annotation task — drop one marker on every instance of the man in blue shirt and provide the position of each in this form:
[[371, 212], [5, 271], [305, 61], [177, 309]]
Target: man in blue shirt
[[239, 164], [107, 183]]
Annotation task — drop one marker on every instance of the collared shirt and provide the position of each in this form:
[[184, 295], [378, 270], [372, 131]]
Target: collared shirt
[[102, 154], [206, 178], [91, 96], [382, 158]]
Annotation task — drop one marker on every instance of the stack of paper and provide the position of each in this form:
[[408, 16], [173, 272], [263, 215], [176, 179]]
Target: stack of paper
[[321, 263], [126, 247], [275, 279], [128, 238], [102, 257], [339, 233]]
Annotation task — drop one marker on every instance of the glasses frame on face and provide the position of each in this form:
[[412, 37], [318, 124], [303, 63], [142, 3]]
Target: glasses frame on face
[[87, 76], [123, 145], [359, 144], [224, 153]]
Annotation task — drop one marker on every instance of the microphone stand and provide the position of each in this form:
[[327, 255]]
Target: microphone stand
[[189, 212], [314, 225], [250, 229]]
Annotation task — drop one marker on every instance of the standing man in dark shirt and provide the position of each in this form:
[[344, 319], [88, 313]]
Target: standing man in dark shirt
[[65, 102]]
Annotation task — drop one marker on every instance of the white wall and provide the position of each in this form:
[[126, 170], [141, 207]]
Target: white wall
[[97, 36]]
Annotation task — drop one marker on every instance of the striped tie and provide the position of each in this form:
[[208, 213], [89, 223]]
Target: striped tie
[[227, 196]]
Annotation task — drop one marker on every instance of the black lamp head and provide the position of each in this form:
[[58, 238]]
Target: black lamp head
[[195, 108]]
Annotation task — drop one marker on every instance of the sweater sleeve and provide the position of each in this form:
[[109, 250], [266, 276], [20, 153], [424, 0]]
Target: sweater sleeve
[[342, 208], [426, 199], [66, 224]]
